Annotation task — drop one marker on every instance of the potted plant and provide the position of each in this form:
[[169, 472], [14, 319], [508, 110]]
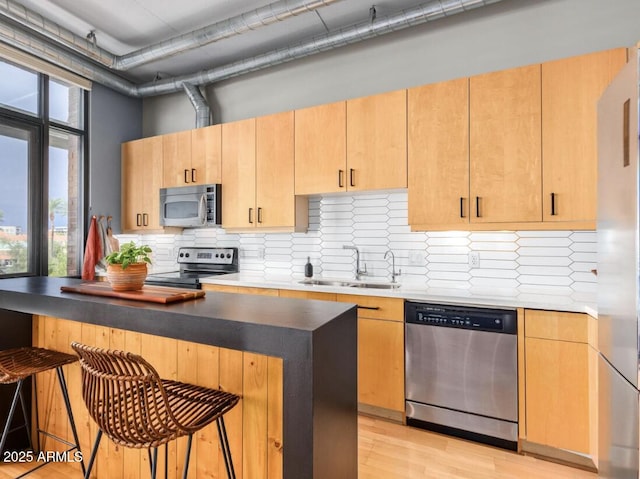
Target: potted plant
[[127, 268]]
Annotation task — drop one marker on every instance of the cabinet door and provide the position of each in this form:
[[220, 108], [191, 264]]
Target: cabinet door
[[505, 150], [275, 201], [377, 142], [141, 183], [557, 394], [438, 137], [570, 92], [381, 363], [176, 151], [206, 154], [239, 174], [320, 149], [150, 182], [132, 158]]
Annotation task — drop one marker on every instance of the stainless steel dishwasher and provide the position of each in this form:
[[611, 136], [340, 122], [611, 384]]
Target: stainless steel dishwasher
[[462, 371]]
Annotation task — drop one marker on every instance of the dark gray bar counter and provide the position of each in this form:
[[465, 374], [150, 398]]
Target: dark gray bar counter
[[316, 339]]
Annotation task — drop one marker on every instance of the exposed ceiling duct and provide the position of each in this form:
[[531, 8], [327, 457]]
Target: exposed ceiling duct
[[274, 12], [367, 29], [203, 112]]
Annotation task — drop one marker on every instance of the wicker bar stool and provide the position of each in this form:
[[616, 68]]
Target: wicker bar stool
[[19, 364], [136, 409]]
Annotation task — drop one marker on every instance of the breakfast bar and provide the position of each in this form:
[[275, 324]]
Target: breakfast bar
[[314, 341]]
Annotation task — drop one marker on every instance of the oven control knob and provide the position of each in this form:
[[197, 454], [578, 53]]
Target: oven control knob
[[186, 255], [181, 255], [228, 255]]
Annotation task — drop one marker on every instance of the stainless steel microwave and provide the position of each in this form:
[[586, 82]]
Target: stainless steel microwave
[[191, 206]]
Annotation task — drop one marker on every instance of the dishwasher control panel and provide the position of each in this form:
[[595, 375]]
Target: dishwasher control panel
[[464, 317]]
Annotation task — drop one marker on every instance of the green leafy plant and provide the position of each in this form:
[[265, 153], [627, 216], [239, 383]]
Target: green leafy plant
[[129, 254]]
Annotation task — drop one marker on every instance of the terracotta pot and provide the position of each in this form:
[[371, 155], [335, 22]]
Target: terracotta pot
[[129, 279]]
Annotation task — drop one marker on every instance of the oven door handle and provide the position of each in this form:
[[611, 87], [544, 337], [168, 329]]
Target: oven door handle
[[202, 210]]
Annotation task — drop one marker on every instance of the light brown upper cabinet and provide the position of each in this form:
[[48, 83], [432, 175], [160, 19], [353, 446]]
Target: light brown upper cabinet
[[192, 157], [258, 175], [176, 153], [377, 142], [206, 154], [276, 206], [570, 91], [321, 149], [355, 145], [239, 174], [141, 183], [505, 146], [438, 156]]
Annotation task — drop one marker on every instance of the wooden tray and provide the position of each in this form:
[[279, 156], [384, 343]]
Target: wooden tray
[[153, 294]]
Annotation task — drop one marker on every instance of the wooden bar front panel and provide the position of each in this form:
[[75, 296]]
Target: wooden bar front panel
[[254, 426]]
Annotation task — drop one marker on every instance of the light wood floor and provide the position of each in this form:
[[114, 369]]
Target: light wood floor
[[390, 451]]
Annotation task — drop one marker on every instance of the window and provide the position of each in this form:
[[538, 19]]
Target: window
[[42, 159], [18, 88]]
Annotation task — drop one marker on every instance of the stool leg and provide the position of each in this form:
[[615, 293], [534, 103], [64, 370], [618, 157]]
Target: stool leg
[[67, 403], [12, 411], [35, 395], [96, 443], [23, 404], [187, 457], [166, 460], [153, 462], [226, 451]]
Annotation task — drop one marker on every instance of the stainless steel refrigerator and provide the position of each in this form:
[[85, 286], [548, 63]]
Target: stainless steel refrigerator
[[618, 270]]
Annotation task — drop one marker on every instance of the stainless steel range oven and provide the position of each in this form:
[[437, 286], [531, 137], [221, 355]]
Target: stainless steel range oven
[[462, 371], [196, 263]]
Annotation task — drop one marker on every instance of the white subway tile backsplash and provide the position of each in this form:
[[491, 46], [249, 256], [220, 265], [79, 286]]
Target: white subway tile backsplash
[[584, 237], [536, 251], [584, 257], [493, 246], [543, 261], [529, 262], [584, 247], [544, 234], [447, 240], [447, 250], [493, 237]]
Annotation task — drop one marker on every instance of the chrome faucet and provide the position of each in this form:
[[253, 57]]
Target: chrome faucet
[[393, 266], [359, 272]]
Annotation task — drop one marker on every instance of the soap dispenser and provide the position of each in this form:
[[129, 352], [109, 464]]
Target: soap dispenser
[[308, 268]]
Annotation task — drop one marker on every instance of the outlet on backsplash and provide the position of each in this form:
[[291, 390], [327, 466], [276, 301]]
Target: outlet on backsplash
[[416, 258], [474, 259]]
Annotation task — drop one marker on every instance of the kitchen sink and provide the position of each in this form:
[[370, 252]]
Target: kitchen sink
[[326, 282], [349, 284], [376, 285]]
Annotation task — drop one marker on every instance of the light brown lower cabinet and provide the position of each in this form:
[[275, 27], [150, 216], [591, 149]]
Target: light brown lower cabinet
[[560, 386], [254, 426], [380, 355]]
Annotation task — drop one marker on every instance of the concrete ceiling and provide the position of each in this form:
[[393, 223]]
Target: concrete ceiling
[[122, 26]]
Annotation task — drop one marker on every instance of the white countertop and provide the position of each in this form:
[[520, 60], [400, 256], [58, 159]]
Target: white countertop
[[533, 299]]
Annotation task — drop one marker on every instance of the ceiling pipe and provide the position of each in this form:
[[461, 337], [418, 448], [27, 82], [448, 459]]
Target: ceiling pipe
[[203, 112], [239, 24], [420, 14]]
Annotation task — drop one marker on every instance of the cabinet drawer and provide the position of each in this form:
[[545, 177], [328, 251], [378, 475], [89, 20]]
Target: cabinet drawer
[[376, 307], [555, 325]]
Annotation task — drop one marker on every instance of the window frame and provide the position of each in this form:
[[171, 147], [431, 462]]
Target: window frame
[[38, 253]]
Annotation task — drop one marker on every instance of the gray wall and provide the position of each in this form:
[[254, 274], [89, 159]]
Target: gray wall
[[508, 34], [113, 118]]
